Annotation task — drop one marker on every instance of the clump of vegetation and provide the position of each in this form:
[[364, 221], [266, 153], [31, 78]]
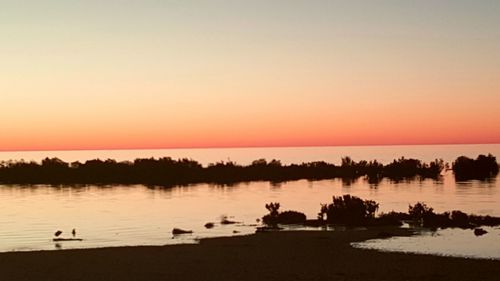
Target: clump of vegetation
[[425, 216], [291, 217], [460, 219], [482, 168], [421, 214], [484, 220], [419, 211], [353, 211], [391, 218], [349, 210], [403, 168], [287, 217], [272, 217]]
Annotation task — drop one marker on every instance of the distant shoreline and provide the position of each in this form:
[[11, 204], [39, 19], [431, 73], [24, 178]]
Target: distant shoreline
[[294, 255], [169, 172]]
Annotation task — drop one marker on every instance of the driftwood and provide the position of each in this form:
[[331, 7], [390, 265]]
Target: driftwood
[[177, 231]]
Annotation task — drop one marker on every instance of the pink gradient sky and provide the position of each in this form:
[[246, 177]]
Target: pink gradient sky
[[158, 74]]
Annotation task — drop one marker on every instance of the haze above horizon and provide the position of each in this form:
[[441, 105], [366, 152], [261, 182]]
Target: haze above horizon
[[184, 74]]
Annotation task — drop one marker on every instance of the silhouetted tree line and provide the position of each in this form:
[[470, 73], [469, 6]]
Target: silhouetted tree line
[[353, 211], [169, 172], [483, 167]]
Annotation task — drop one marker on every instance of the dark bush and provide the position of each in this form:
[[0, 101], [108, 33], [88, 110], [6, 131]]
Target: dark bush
[[287, 217], [389, 219], [272, 217], [418, 211], [349, 210], [482, 168], [433, 220], [460, 219], [291, 217]]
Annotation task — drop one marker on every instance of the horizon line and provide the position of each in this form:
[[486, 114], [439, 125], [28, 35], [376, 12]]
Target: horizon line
[[245, 147]]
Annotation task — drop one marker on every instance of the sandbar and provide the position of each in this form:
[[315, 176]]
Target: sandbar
[[280, 255]]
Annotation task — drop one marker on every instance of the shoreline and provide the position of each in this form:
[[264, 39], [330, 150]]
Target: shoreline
[[282, 255]]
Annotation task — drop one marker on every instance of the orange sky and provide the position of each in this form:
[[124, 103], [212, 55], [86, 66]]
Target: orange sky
[[88, 75]]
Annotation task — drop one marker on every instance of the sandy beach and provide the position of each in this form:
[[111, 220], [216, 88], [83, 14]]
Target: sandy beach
[[309, 255]]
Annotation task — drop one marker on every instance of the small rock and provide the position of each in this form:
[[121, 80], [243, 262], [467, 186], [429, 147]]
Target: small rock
[[479, 231], [209, 225], [177, 231]]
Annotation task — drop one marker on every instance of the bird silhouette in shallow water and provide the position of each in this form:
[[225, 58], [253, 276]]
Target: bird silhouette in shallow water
[[73, 232], [57, 233]]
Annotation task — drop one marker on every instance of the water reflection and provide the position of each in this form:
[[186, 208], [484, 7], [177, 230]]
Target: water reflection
[[140, 215]]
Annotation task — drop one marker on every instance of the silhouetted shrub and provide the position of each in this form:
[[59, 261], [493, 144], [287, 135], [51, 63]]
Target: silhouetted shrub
[[460, 219], [291, 217], [423, 215], [287, 217], [433, 220], [419, 211], [391, 218], [272, 217], [482, 168], [349, 210], [409, 168]]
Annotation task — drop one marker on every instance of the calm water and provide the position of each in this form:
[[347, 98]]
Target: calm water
[[287, 155], [452, 242], [137, 215]]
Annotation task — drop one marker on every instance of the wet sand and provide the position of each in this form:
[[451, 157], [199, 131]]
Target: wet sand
[[264, 256]]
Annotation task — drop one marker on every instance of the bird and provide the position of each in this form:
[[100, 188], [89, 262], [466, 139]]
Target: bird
[[58, 233], [73, 232]]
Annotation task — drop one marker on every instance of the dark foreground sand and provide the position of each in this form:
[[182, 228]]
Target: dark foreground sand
[[264, 256]]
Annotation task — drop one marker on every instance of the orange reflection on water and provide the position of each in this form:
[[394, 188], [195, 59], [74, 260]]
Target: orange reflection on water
[[137, 215]]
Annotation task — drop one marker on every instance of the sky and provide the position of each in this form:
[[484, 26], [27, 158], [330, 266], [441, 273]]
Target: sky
[[121, 74]]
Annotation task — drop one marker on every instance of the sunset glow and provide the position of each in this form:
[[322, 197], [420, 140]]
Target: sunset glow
[[170, 74]]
